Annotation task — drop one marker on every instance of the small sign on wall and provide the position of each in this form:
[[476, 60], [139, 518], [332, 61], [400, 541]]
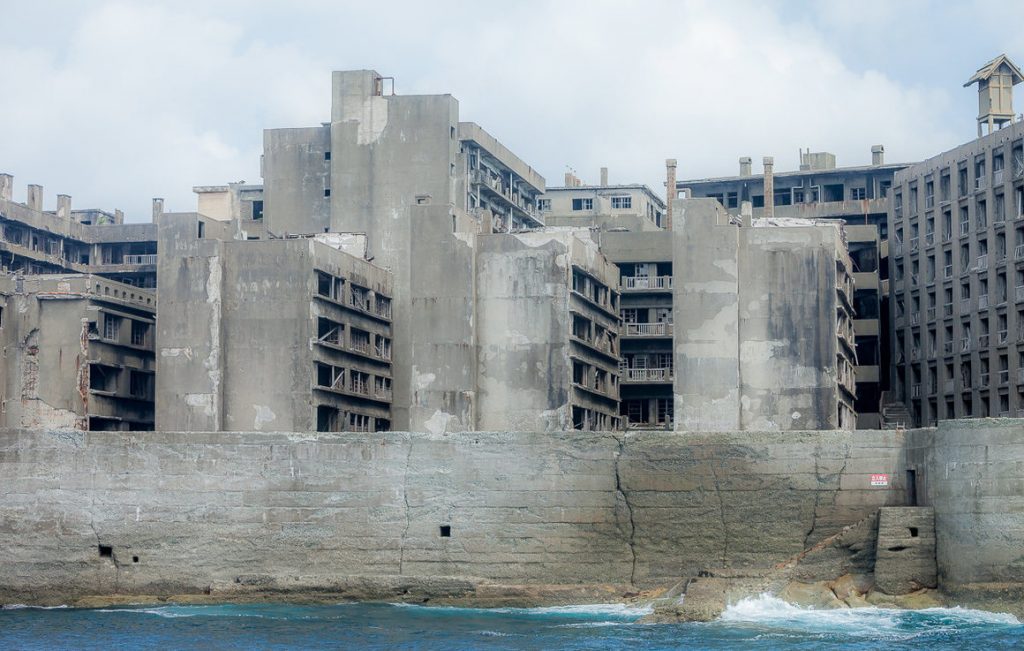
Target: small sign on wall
[[879, 480]]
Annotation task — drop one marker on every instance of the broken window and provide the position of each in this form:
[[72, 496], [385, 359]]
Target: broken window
[[358, 297], [328, 419], [383, 306], [103, 378], [359, 382], [858, 194], [382, 387], [328, 331], [111, 327], [330, 377], [382, 347], [582, 204], [359, 340], [359, 422], [139, 385], [140, 333]]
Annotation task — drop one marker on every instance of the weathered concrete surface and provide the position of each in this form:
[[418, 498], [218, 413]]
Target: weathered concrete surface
[[592, 513], [905, 557]]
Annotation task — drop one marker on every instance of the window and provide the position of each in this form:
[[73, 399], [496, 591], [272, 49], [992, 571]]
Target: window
[[327, 155], [257, 210], [582, 204], [138, 384], [140, 332], [111, 326], [327, 192], [201, 230], [328, 419], [622, 203], [857, 194], [544, 205]]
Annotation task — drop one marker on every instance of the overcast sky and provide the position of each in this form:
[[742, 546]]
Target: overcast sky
[[118, 102]]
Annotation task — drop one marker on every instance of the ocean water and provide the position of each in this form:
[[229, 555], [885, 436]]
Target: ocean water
[[758, 623]]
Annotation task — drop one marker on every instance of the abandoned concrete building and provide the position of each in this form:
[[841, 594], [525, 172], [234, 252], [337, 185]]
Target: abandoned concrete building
[[634, 207], [763, 322], [280, 334], [78, 352], [859, 197], [34, 241], [548, 333], [957, 221]]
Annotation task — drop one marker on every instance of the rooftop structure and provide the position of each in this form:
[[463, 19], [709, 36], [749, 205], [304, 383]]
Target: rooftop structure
[[996, 80], [633, 207]]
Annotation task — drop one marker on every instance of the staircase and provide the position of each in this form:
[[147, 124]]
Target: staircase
[[895, 414]]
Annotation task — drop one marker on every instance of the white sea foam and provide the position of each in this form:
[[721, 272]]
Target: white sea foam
[[768, 610], [20, 606], [621, 612]]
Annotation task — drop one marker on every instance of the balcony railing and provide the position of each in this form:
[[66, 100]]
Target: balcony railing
[[145, 258], [646, 374], [647, 282], [649, 329]]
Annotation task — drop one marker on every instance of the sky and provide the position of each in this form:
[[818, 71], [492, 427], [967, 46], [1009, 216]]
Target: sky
[[116, 102]]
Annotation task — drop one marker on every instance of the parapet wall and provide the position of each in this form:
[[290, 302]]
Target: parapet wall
[[188, 512]]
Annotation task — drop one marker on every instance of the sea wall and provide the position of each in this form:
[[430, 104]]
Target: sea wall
[[171, 513], [142, 513]]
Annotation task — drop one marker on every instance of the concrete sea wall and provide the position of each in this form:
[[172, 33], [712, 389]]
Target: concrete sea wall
[[364, 515]]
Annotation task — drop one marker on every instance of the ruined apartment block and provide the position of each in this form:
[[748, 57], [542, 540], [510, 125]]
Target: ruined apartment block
[[34, 241], [548, 333], [857, 196], [633, 207], [763, 322], [958, 281], [279, 334], [78, 353]]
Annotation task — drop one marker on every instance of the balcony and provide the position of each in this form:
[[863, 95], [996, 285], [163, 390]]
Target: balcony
[[146, 258], [965, 345], [982, 263], [645, 375], [646, 282], [648, 329]]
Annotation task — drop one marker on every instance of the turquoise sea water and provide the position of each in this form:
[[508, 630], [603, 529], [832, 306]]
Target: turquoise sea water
[[761, 623]]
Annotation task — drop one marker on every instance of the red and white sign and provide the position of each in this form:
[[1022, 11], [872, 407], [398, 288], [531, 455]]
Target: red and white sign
[[879, 480]]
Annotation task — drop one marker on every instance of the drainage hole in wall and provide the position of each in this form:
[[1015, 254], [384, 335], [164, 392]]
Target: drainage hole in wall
[[446, 531], [106, 551], [135, 559], [913, 532], [897, 548]]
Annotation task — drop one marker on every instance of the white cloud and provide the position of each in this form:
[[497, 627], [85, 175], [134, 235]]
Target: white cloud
[[144, 100]]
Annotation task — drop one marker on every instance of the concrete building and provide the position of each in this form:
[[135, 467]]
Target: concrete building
[[77, 353], [958, 274], [547, 310], [633, 207], [34, 241], [858, 197], [279, 334], [439, 201], [763, 321]]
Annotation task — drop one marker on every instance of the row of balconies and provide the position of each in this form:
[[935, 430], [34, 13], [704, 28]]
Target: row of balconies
[[967, 383], [644, 375]]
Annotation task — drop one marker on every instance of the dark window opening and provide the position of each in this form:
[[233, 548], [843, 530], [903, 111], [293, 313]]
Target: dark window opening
[[446, 531], [106, 551], [202, 230], [257, 210], [135, 559], [913, 532], [327, 192], [327, 155], [912, 480]]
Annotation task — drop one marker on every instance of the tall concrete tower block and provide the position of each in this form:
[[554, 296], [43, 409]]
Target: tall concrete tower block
[[995, 80]]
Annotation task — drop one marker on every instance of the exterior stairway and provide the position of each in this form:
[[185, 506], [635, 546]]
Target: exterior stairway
[[894, 413]]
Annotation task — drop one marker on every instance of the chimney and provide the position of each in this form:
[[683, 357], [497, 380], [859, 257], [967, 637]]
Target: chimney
[[6, 187], [158, 208], [746, 166], [670, 190], [118, 216], [568, 179], [769, 186], [877, 155], [35, 197], [604, 176], [64, 206]]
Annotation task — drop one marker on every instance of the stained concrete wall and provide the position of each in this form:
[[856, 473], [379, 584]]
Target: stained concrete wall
[[296, 174], [972, 473], [215, 511]]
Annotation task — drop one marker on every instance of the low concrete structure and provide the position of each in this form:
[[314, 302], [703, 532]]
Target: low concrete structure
[[633, 207], [277, 334], [905, 553], [763, 322], [78, 353]]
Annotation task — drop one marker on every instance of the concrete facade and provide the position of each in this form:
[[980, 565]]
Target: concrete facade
[[290, 334], [858, 197], [957, 221], [745, 291], [632, 207], [77, 353], [548, 333]]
